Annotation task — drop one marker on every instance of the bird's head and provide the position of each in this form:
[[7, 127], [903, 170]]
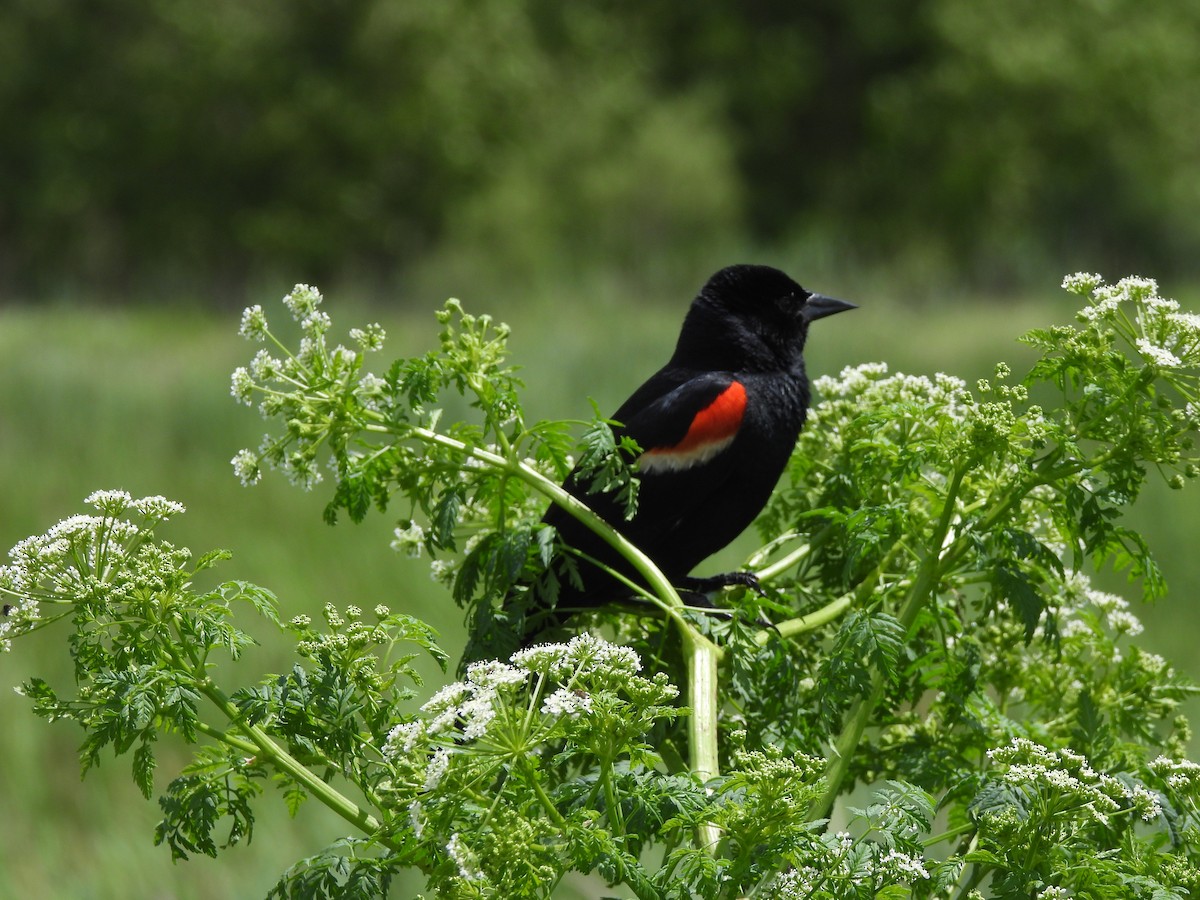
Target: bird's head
[[750, 318]]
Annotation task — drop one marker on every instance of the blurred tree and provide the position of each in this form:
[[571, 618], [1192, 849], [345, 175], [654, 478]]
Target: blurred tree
[[147, 142], [1006, 136]]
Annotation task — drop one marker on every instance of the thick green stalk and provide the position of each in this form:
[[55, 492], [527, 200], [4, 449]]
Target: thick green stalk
[[702, 725]]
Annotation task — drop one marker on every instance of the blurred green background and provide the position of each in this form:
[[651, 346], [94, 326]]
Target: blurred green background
[[575, 169]]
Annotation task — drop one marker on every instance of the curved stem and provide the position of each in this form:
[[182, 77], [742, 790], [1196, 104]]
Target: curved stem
[[800, 624], [290, 766]]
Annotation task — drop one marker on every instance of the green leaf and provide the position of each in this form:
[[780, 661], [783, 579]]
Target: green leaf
[[1012, 584], [143, 768], [445, 516]]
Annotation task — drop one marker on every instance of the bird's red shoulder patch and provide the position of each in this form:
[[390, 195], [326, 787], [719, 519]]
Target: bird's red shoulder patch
[[712, 430]]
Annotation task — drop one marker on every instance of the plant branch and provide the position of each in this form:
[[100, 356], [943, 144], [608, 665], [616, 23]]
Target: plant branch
[[290, 766]]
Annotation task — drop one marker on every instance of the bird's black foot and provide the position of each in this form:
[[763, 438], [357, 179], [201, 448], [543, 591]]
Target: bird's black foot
[[727, 579], [699, 589]]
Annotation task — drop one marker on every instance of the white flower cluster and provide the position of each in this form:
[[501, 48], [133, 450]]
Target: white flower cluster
[[464, 858], [1180, 774], [1162, 335], [1111, 610], [409, 540], [564, 702], [100, 557], [870, 385], [370, 338], [562, 675], [302, 301], [583, 654], [282, 383], [1065, 773], [842, 859]]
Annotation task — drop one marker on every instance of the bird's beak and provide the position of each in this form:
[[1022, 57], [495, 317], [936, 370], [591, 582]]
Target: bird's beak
[[819, 306]]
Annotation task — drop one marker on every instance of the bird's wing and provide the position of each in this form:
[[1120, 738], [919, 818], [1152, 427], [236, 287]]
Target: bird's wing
[[686, 426], [682, 425]]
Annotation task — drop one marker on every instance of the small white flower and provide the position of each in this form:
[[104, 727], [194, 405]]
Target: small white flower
[[111, 503], [478, 713], [403, 738], [1082, 283], [264, 366], [409, 540], [447, 697], [437, 767], [1124, 622], [493, 674], [370, 388], [316, 323], [246, 467], [416, 818], [468, 866], [566, 703], [302, 301], [241, 386], [1159, 356], [903, 866], [158, 507], [443, 571], [369, 338], [254, 324], [1146, 803], [301, 470]]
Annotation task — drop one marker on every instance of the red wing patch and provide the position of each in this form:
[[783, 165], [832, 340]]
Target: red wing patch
[[712, 430]]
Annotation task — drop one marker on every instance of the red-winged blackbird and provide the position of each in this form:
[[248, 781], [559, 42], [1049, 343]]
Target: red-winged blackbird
[[716, 426]]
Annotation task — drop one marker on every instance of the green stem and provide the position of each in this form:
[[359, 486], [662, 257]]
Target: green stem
[[702, 724], [551, 810], [645, 567], [615, 818], [800, 624], [766, 573], [226, 738], [830, 611], [289, 765]]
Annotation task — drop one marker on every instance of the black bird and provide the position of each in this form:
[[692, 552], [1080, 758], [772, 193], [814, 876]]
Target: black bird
[[716, 426]]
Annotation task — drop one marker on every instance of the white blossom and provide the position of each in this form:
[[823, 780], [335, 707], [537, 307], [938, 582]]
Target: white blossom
[[1160, 356], [566, 703], [409, 540], [436, 770], [254, 324], [468, 866]]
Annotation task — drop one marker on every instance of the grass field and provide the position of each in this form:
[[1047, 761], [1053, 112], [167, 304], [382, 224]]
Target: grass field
[[139, 400]]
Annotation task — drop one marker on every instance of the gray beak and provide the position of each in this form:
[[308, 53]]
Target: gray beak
[[819, 306]]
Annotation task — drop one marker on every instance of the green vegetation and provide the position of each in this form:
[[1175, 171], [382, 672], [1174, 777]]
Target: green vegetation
[[75, 413]]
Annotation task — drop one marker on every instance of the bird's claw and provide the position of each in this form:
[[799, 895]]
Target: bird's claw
[[712, 583]]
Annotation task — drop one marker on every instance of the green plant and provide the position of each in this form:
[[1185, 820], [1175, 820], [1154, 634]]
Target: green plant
[[937, 640]]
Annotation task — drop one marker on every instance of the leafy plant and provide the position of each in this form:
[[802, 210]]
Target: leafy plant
[[944, 706]]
